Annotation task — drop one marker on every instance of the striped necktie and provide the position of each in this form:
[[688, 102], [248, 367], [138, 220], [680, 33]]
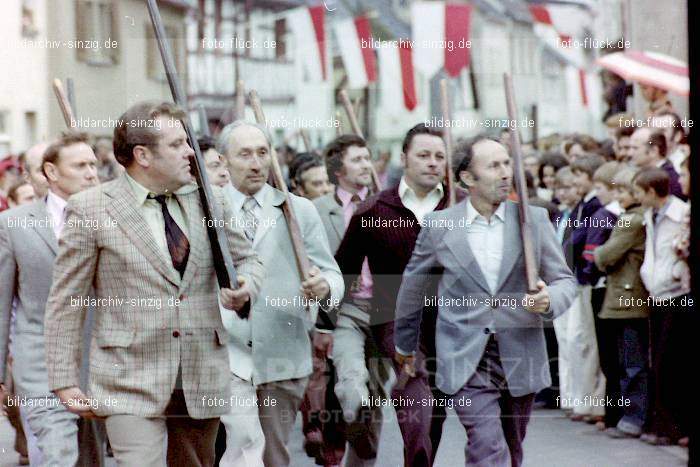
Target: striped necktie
[[251, 221]]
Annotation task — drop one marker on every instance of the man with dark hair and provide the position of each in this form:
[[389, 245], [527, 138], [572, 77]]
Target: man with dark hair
[[649, 150], [28, 246], [382, 234], [666, 277], [215, 163], [348, 163], [308, 176], [622, 143], [672, 127], [474, 250], [136, 248]]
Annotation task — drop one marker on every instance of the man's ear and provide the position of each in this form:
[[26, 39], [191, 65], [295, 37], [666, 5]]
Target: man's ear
[[403, 159], [142, 156], [466, 178], [50, 171]]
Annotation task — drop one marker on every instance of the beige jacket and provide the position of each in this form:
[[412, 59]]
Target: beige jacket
[[148, 321]]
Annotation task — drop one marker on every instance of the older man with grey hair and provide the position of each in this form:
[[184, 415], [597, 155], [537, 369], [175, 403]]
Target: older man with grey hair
[[270, 353]]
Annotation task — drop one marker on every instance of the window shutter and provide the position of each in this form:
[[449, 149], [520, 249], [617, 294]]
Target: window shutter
[[82, 21]]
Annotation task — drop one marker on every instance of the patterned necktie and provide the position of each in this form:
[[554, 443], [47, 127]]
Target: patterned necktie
[[251, 222], [178, 245]]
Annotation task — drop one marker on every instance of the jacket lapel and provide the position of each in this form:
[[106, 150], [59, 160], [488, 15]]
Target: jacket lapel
[[512, 243], [458, 244], [337, 220], [132, 223], [269, 215], [44, 229], [196, 234]]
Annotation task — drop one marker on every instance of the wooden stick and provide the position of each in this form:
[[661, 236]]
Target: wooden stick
[[303, 264], [449, 175], [305, 137], [203, 120], [64, 104], [345, 100], [521, 188], [240, 100], [339, 128], [223, 263], [70, 91]]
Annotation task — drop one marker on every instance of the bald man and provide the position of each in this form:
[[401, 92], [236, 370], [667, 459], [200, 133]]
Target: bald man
[[31, 167]]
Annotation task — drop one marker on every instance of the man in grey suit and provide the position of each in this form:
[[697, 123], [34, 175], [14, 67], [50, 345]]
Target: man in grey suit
[[28, 247], [490, 345], [272, 350]]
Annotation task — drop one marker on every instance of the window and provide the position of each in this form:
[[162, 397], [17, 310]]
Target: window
[[4, 137], [96, 32], [154, 62], [280, 37], [30, 136], [29, 28]]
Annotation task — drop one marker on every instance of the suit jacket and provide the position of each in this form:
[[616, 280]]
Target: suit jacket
[[27, 250], [387, 249], [275, 345], [331, 214], [576, 240], [463, 328], [149, 321]]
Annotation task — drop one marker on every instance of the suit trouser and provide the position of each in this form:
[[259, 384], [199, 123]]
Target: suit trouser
[[671, 392], [495, 420], [138, 441], [606, 338], [277, 420], [354, 386], [359, 347], [245, 440], [583, 381], [56, 431]]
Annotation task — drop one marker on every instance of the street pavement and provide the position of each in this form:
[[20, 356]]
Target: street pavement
[[552, 440]]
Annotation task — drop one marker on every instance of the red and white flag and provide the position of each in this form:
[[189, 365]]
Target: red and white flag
[[559, 27], [396, 66], [440, 36], [307, 25], [356, 49]]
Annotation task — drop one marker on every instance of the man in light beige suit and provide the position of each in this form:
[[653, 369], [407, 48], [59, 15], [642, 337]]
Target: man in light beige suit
[[158, 356]]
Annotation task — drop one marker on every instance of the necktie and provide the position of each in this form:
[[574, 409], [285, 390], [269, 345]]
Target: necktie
[[251, 222], [178, 245]]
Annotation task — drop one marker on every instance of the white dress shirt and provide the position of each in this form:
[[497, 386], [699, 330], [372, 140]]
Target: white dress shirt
[[486, 241], [56, 206], [419, 206]]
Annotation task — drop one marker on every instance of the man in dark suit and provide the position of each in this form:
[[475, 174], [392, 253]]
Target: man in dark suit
[[649, 149], [491, 353], [384, 230]]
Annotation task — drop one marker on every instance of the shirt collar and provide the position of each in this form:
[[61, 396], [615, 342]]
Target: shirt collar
[[405, 190], [55, 203], [473, 214], [615, 208], [660, 163], [591, 194], [345, 196], [239, 198], [141, 192]]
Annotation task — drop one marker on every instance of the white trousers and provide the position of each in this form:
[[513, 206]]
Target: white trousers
[[245, 441], [581, 381]]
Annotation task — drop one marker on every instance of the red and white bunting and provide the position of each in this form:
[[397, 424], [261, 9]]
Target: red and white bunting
[[396, 65], [440, 36], [557, 26], [307, 25], [357, 51]]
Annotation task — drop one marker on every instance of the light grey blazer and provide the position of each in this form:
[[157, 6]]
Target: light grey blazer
[[27, 255], [463, 331], [275, 341], [332, 216]]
